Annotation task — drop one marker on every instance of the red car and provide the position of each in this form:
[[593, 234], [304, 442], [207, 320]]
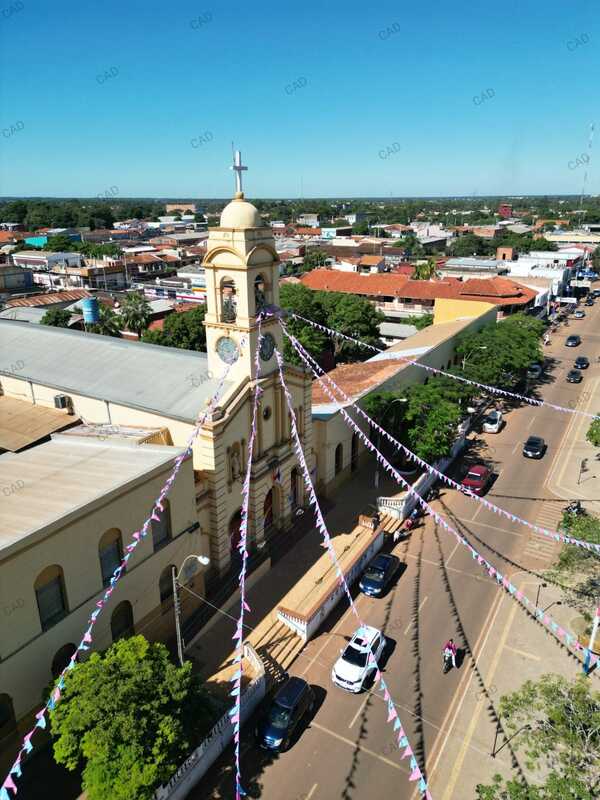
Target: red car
[[477, 478]]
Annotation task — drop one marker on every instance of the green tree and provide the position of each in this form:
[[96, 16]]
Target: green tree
[[59, 244], [57, 317], [420, 322], [131, 716], [135, 311], [586, 527], [353, 316], [471, 245], [593, 433], [556, 722], [302, 300], [185, 331], [314, 258], [109, 323], [425, 272], [499, 353]]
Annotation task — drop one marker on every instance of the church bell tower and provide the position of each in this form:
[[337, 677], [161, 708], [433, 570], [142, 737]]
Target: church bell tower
[[242, 277]]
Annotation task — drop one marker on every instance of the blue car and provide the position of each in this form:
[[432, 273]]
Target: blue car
[[378, 574], [293, 702]]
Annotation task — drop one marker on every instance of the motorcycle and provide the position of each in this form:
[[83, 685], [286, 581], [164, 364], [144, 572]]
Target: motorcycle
[[447, 661], [574, 508], [411, 519]]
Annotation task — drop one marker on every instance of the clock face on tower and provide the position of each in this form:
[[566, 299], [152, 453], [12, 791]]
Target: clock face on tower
[[227, 350], [267, 347]]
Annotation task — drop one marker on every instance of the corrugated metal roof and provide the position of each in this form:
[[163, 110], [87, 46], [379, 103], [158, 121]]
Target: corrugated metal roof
[[22, 424], [60, 477], [163, 380]]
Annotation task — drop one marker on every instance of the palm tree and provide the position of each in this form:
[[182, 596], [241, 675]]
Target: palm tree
[[135, 312], [109, 323], [425, 272]]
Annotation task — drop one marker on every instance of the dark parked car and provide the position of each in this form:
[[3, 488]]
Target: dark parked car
[[589, 301], [581, 362], [477, 478], [292, 702], [574, 376], [378, 574], [534, 447], [595, 293], [573, 341]]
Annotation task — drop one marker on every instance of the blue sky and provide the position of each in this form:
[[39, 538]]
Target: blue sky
[[323, 99]]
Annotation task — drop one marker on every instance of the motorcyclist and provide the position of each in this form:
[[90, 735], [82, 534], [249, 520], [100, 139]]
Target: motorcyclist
[[450, 647]]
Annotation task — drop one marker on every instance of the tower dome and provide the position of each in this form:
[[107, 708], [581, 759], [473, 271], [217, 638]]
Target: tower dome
[[239, 213]]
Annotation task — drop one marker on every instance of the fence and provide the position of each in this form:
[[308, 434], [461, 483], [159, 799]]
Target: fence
[[198, 763]]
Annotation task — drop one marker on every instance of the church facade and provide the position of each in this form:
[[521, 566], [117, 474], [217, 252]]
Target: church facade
[[242, 279]]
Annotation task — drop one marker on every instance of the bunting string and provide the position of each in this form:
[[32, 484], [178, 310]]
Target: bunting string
[[86, 641], [238, 636], [402, 740], [551, 534], [391, 356], [559, 633]]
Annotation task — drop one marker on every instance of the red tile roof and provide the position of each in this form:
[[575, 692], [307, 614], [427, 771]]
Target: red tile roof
[[500, 291]]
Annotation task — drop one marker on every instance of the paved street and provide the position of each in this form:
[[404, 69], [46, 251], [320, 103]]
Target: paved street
[[348, 750]]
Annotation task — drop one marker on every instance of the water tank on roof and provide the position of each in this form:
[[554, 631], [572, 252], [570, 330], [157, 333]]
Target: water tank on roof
[[91, 311]]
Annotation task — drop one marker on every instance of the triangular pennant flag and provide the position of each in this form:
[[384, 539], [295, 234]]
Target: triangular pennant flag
[[415, 774], [10, 784], [392, 714]]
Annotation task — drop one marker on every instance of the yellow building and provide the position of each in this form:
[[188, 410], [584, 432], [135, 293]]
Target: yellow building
[[69, 507]]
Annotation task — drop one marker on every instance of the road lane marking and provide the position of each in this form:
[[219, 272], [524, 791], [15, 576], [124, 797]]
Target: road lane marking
[[523, 653], [465, 683], [516, 447], [312, 791], [451, 569], [531, 421], [454, 549], [360, 709], [487, 525], [356, 746], [411, 623], [459, 760]]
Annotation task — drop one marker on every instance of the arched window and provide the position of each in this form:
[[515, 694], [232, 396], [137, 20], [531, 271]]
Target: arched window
[[228, 300], [50, 592], [110, 551], [62, 658], [165, 587], [121, 622], [8, 722], [161, 529], [339, 458]]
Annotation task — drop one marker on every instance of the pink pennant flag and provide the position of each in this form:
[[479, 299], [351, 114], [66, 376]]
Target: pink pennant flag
[[386, 694], [408, 752], [137, 535], [246, 606], [415, 774], [10, 784], [392, 714], [377, 676], [87, 637], [560, 631], [519, 595], [100, 603], [130, 547]]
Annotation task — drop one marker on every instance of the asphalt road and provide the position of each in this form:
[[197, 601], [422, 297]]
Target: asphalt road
[[347, 749]]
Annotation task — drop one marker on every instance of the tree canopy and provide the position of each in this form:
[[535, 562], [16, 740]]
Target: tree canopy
[[593, 433], [135, 312], [131, 716], [556, 722], [347, 313], [185, 331], [57, 317], [498, 353]]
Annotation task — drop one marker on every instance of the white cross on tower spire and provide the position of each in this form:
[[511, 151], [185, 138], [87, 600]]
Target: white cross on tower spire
[[238, 169]]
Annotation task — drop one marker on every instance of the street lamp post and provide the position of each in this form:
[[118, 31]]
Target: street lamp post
[[396, 400], [177, 608]]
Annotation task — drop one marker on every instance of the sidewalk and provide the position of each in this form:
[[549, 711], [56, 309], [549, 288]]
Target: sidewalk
[[212, 648], [572, 477]]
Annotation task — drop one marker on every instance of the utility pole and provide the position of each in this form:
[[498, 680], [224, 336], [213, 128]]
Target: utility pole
[[177, 609]]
